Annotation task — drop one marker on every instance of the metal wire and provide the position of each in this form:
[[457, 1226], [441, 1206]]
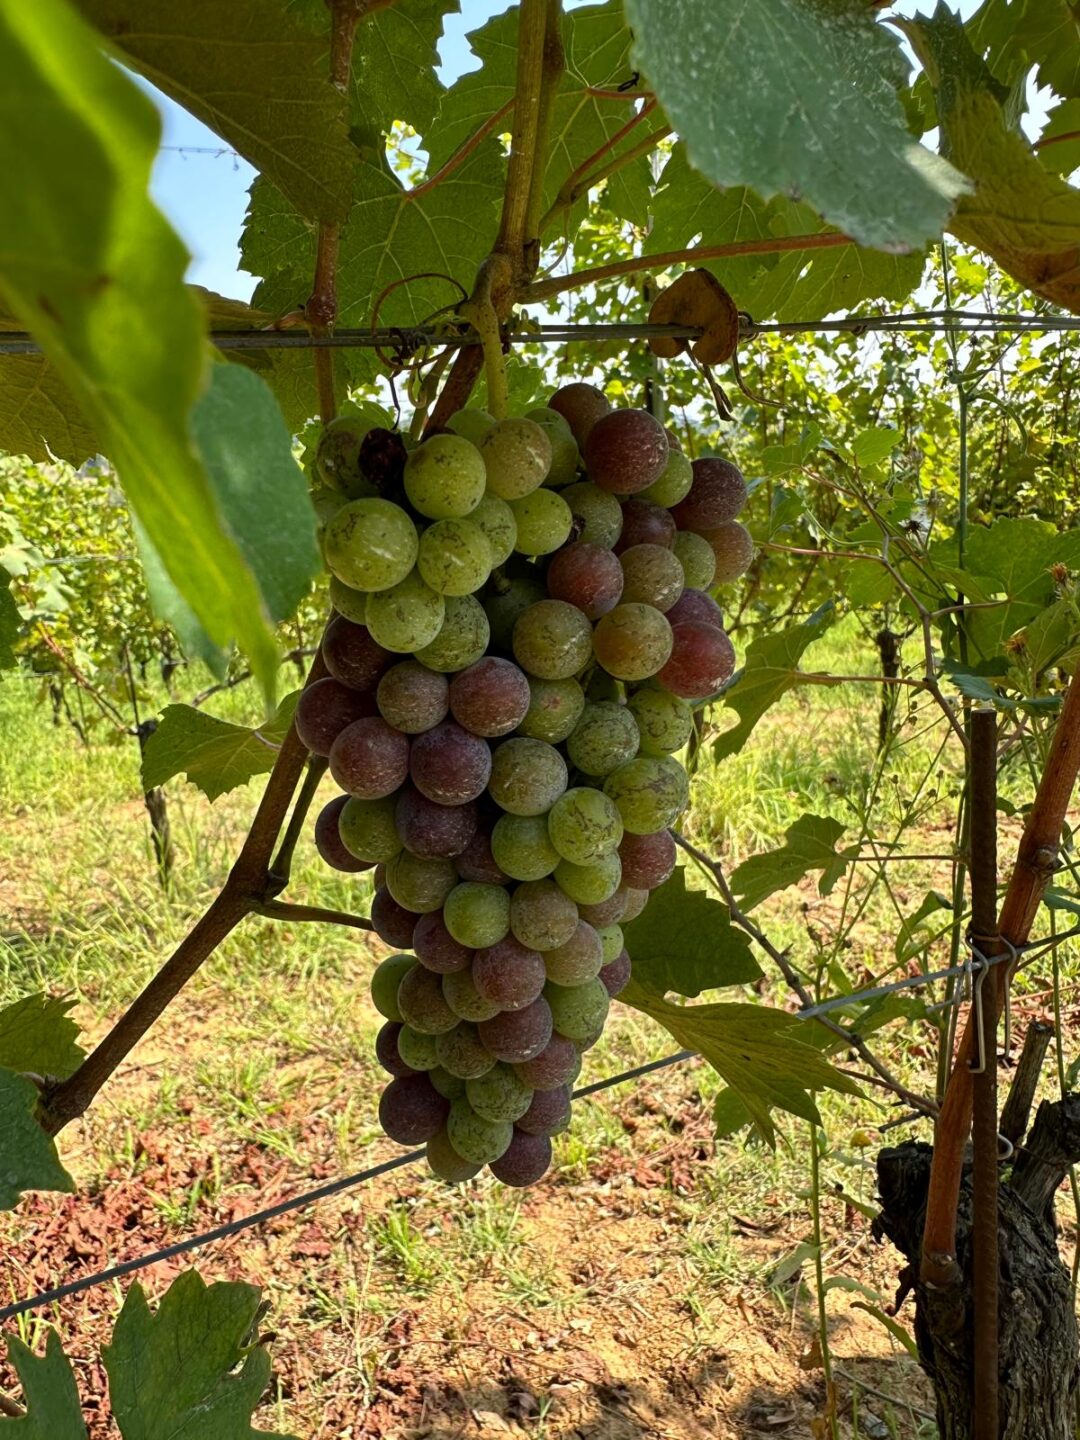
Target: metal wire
[[284, 1207]]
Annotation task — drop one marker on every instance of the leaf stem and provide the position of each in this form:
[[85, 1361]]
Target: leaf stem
[[462, 153]]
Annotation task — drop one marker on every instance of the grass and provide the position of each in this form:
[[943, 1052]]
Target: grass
[[640, 1273]]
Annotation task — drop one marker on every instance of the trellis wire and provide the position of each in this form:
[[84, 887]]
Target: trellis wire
[[284, 1207]]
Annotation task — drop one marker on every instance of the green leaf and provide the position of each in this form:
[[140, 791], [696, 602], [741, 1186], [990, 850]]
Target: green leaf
[[50, 1395], [768, 673], [1018, 34], [10, 624], [28, 1159], [976, 687], [897, 1331], [755, 1049], [817, 113], [1059, 147], [729, 1114], [37, 1035], [170, 605], [810, 844], [877, 443], [215, 755], [1049, 637], [684, 941], [94, 271], [914, 934], [1013, 558], [169, 1373], [255, 76]]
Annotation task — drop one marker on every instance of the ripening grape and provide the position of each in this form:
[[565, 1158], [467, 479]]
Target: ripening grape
[[507, 604], [665, 721], [648, 795], [471, 425], [679, 778], [444, 477], [605, 737], [416, 1050], [524, 1161], [411, 1110], [584, 825], [348, 602], [451, 1087], [393, 924], [543, 521], [696, 605], [647, 860], [367, 829], [370, 544], [516, 455], [626, 451], [553, 640], [696, 557], [590, 885], [491, 697], [674, 480], [615, 976], [461, 1052], [337, 456], [406, 617], [717, 494], [581, 406], [527, 776], [462, 639], [508, 974], [733, 548], [454, 557], [328, 841], [476, 861], [564, 448], [498, 1094], [382, 460], [495, 518], [597, 515], [369, 758], [541, 915], [645, 524], [420, 885], [636, 900], [413, 698], [556, 1065], [449, 765], [461, 994], [474, 1138], [431, 831], [606, 913], [702, 658], [522, 847], [515, 1036], [325, 708], [548, 1114], [422, 1005], [477, 915], [587, 576], [351, 655], [578, 959], [443, 1160], [385, 981], [386, 1049], [555, 707], [632, 642], [578, 1011], [435, 947], [651, 576]]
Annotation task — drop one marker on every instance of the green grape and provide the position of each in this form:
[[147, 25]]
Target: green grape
[[477, 915], [697, 559], [417, 1049], [472, 425], [326, 503], [385, 979], [555, 707], [665, 722], [463, 638], [611, 938], [578, 961], [543, 521], [541, 916], [604, 738], [474, 1138], [652, 575], [445, 1163], [496, 520], [648, 795], [406, 617], [590, 884], [517, 455], [499, 1094], [337, 456], [461, 1052], [421, 1002], [585, 825], [673, 483], [599, 513], [511, 600], [367, 829], [679, 778], [564, 450], [527, 776], [444, 477], [348, 602], [370, 544], [465, 1000], [579, 1011], [553, 640], [450, 1087], [522, 848], [632, 642], [419, 885], [455, 557]]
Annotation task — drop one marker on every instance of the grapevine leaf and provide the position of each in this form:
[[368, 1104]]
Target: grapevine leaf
[[1020, 213], [1062, 128], [809, 844], [818, 114], [277, 106], [170, 605], [51, 1397], [1013, 558], [757, 1050], [684, 941], [768, 673], [10, 622], [90, 266], [875, 444], [169, 1373], [1018, 34], [215, 755], [28, 1159], [36, 1034]]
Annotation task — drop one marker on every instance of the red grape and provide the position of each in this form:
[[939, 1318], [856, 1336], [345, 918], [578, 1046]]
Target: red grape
[[518, 1035], [436, 948], [626, 451], [430, 830], [548, 1113], [524, 1161], [508, 974], [491, 697], [717, 494], [615, 976], [412, 698], [647, 860], [702, 658], [696, 605], [554, 1066], [645, 524], [352, 656], [328, 839], [386, 1051], [449, 765], [411, 1110], [393, 924], [733, 546], [477, 863], [588, 576], [581, 406], [370, 758], [325, 708]]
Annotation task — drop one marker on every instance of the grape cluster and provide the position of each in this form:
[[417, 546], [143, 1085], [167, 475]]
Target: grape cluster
[[523, 620]]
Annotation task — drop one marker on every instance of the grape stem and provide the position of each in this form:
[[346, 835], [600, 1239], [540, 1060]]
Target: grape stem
[[281, 910], [479, 311]]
